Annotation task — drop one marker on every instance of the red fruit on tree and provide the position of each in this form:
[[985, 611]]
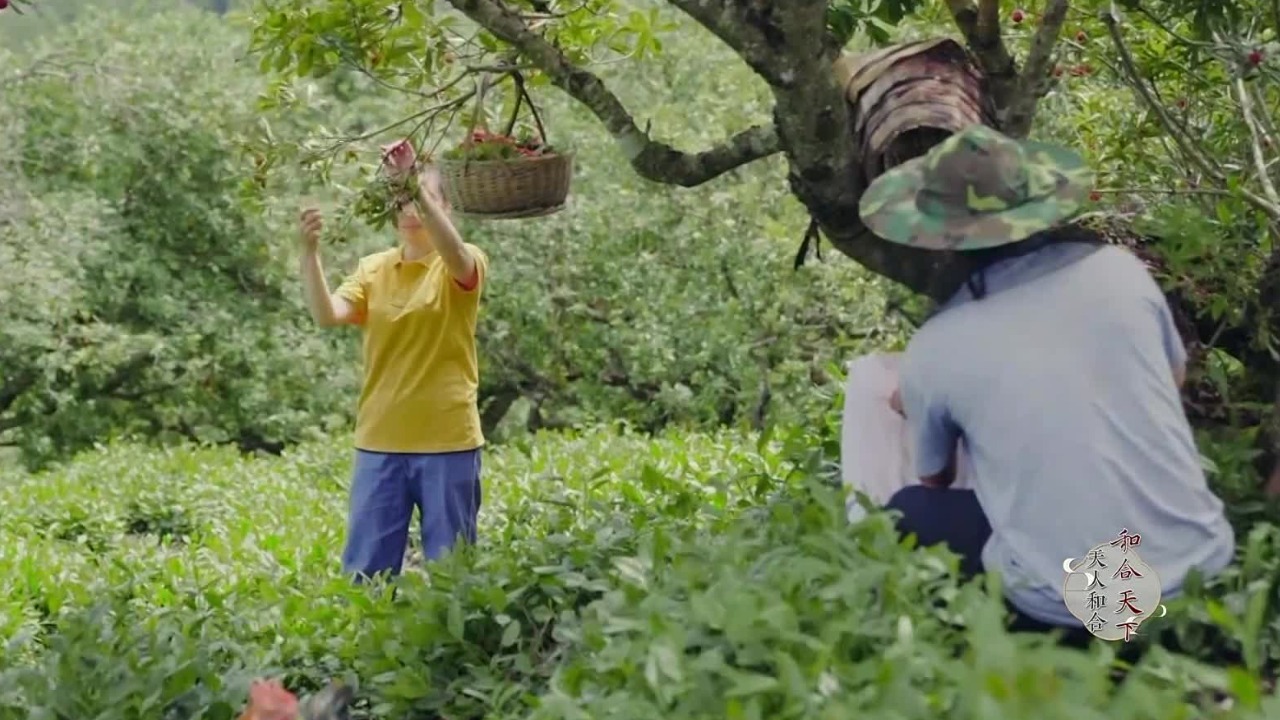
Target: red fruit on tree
[[4, 4], [1182, 103], [1018, 16], [1095, 196], [1081, 37], [1255, 57]]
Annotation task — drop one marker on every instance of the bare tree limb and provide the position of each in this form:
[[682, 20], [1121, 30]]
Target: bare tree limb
[[1034, 80], [980, 26], [653, 160], [988, 25], [754, 31], [725, 20]]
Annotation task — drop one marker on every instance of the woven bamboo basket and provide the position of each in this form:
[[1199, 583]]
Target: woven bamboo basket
[[519, 188], [908, 97]]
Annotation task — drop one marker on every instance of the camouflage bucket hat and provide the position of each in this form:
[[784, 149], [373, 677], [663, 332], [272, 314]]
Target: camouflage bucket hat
[[977, 189]]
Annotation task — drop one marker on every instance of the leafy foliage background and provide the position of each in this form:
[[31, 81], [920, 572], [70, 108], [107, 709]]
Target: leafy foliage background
[[662, 531]]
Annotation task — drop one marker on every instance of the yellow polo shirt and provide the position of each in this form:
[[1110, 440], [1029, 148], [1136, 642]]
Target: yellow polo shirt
[[420, 369]]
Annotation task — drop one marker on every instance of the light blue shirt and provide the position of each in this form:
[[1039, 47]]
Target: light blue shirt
[[1061, 381]]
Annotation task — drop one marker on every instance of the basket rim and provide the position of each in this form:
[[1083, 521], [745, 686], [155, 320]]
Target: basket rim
[[537, 211], [567, 155]]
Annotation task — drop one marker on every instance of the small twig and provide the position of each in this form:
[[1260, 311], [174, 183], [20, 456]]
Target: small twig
[[1162, 191], [1152, 100], [1185, 143], [533, 109], [1256, 136], [515, 110], [37, 69], [1170, 31], [1264, 115], [429, 112], [453, 116]]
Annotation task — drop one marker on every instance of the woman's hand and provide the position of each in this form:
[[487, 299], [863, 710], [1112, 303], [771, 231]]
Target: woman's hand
[[309, 226], [399, 159]]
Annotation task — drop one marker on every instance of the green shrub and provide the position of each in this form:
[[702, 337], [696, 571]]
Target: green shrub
[[694, 576]]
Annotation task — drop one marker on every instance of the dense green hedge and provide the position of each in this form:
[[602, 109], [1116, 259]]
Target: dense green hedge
[[695, 576]]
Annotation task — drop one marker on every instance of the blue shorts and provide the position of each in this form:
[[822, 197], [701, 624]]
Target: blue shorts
[[385, 489]]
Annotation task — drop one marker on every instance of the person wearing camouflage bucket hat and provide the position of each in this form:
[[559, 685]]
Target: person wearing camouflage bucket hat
[[978, 189], [1049, 385]]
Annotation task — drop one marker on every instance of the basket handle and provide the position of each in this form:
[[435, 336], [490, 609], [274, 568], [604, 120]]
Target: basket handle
[[522, 98], [479, 109]]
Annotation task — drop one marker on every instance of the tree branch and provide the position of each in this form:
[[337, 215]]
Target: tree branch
[[980, 26], [1185, 143], [816, 123], [1257, 136], [653, 160], [1034, 80], [753, 31]]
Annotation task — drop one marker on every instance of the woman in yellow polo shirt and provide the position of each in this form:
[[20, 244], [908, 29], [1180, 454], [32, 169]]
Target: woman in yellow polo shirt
[[418, 437]]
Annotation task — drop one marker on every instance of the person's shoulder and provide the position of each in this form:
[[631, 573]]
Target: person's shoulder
[[925, 343], [477, 251], [1120, 259], [1120, 269], [381, 258]]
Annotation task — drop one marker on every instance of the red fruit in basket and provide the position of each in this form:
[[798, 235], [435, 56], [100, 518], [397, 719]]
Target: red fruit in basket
[[1018, 16]]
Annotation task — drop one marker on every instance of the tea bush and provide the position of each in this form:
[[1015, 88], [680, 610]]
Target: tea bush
[[691, 576]]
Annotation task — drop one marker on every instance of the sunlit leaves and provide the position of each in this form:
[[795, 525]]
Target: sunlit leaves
[[425, 48], [875, 18]]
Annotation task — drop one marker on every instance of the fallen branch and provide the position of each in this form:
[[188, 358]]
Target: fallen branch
[[653, 160]]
